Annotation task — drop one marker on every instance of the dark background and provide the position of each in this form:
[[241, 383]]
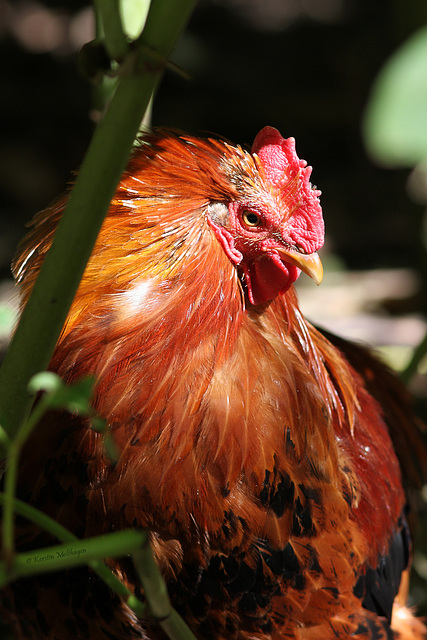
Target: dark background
[[303, 66]]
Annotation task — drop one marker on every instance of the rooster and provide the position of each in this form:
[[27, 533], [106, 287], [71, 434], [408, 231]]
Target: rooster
[[265, 459]]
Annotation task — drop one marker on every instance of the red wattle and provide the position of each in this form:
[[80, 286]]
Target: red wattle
[[267, 278]]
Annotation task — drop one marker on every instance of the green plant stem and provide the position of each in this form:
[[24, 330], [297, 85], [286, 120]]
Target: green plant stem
[[151, 578], [157, 596], [39, 328], [72, 554], [41, 519], [134, 15], [152, 581], [176, 628], [64, 535], [417, 356], [15, 447], [115, 41], [172, 624]]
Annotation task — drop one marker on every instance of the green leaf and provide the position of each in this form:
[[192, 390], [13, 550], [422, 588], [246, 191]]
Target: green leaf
[[74, 397], [45, 381], [395, 122]]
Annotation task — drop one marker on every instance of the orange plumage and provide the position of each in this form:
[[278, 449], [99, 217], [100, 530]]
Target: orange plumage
[[260, 456]]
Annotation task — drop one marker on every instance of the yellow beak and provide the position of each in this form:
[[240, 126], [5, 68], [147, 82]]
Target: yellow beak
[[308, 263]]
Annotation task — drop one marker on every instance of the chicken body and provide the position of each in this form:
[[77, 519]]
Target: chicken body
[[250, 447]]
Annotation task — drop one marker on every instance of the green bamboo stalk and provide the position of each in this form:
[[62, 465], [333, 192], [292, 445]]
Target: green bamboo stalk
[[37, 333]]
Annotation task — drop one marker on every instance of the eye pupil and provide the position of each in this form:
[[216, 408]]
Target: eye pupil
[[251, 219]]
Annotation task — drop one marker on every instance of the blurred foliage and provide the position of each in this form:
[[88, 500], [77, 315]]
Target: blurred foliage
[[395, 123], [395, 128], [395, 133]]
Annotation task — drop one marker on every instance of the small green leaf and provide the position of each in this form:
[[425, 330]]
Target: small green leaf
[[45, 381], [395, 122], [73, 397]]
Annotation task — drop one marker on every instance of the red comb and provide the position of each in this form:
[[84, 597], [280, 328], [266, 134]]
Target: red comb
[[279, 158], [291, 176]]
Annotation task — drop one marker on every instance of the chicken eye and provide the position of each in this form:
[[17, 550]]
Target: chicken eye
[[251, 219]]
